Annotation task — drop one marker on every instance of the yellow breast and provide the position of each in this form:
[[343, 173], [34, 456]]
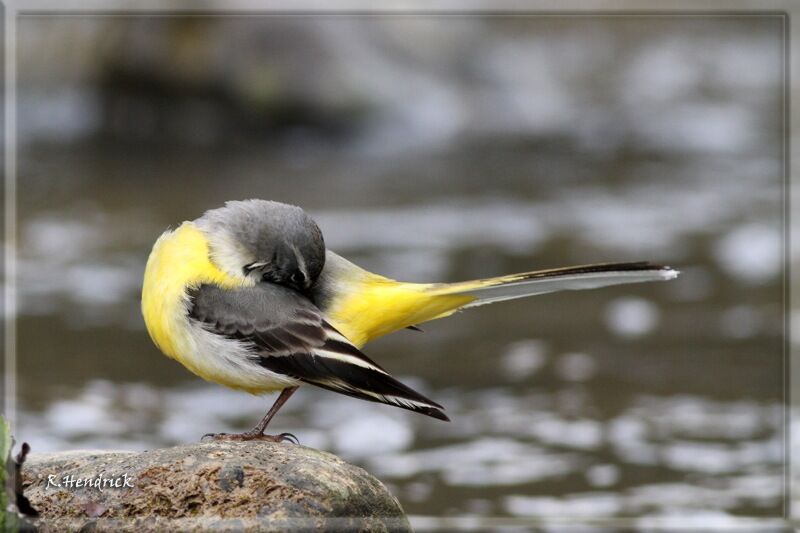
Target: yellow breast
[[179, 261]]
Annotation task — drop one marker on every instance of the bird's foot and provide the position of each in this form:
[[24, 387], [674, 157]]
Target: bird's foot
[[251, 435]]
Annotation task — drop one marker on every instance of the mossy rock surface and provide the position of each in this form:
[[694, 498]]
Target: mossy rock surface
[[224, 486]]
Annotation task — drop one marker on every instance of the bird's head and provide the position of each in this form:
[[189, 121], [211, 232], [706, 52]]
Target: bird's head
[[267, 241]]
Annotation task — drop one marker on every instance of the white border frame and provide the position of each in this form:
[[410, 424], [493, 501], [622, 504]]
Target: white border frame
[[649, 8]]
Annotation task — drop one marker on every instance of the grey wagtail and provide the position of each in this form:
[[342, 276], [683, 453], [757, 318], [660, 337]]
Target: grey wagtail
[[247, 296]]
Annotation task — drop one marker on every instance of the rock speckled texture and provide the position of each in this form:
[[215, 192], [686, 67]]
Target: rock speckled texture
[[224, 486]]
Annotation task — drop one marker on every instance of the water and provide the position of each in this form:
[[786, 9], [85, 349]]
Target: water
[[658, 401], [618, 402]]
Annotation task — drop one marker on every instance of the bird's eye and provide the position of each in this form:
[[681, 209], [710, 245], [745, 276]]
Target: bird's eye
[[266, 277], [298, 278]]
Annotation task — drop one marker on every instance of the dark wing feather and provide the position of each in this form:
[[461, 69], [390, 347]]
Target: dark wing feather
[[290, 336]]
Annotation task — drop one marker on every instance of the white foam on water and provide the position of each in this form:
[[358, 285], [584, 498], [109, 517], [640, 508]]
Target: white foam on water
[[603, 475], [482, 461], [589, 505], [751, 253], [579, 434], [358, 437], [632, 317], [523, 359], [702, 418]]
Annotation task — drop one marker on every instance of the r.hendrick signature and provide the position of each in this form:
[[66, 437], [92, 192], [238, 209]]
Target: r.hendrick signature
[[99, 482]]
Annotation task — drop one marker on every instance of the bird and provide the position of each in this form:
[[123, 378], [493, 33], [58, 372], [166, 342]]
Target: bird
[[249, 297]]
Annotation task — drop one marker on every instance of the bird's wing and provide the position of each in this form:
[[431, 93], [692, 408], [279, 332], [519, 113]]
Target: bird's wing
[[290, 336]]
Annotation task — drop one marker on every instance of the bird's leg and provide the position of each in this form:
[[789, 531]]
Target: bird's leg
[[257, 433], [261, 426]]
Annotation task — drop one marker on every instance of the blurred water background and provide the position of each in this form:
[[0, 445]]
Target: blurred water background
[[433, 148]]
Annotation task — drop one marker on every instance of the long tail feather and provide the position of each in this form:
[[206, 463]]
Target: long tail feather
[[364, 306], [491, 290]]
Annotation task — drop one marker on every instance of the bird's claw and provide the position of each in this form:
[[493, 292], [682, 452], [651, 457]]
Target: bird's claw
[[289, 437]]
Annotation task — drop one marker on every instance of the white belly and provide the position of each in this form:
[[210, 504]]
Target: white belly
[[226, 361]]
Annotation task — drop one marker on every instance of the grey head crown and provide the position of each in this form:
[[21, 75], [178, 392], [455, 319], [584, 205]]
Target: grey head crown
[[265, 240]]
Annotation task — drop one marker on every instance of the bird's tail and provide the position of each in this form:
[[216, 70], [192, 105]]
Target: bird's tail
[[502, 288], [364, 306]]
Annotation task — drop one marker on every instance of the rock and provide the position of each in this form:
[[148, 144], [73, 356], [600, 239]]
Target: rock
[[222, 486]]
